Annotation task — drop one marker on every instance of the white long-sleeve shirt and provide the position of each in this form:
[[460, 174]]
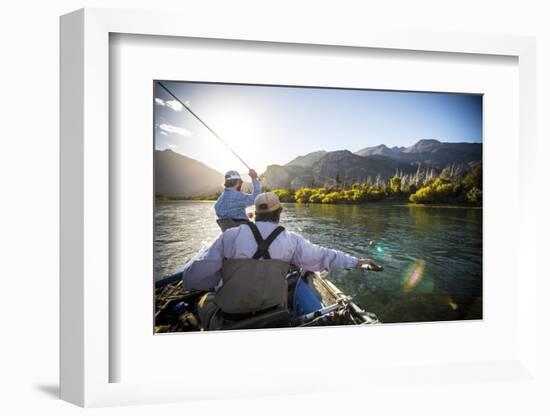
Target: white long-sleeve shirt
[[204, 270]]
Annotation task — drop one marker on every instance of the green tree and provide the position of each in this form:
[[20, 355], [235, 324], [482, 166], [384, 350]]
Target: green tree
[[303, 194], [331, 198], [374, 194], [316, 198], [338, 180], [395, 184], [284, 195], [474, 178], [474, 196], [440, 190]]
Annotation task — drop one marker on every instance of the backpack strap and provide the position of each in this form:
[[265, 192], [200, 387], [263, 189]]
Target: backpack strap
[[255, 232], [263, 248], [263, 245]]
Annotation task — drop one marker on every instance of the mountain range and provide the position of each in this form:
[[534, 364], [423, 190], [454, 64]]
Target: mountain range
[[178, 175], [320, 167]]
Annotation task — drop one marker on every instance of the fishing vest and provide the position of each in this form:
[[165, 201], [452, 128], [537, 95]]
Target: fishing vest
[[251, 285]]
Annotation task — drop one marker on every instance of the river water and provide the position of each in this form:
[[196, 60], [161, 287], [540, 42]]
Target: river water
[[431, 255]]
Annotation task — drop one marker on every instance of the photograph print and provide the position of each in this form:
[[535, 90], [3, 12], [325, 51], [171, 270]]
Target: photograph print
[[297, 207]]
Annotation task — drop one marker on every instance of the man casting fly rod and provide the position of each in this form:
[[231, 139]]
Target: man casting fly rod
[[232, 203], [245, 268]]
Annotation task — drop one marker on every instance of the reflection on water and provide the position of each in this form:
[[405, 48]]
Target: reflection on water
[[431, 255]]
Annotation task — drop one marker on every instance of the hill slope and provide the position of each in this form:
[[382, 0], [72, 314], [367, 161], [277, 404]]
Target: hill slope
[[307, 160], [181, 176]]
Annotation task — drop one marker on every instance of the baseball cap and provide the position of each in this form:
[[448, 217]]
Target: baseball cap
[[267, 202], [232, 175]]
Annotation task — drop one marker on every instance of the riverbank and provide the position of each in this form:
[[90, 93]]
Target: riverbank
[[447, 188], [388, 202], [162, 198]]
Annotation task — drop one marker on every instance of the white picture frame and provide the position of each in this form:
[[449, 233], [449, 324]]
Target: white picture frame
[[86, 356]]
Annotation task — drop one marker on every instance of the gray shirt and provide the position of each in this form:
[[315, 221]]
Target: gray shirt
[[204, 270]]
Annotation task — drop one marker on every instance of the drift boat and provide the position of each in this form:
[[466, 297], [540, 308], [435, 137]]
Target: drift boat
[[312, 301]]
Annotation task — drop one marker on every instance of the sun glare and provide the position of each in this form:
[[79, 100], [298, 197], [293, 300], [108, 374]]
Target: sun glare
[[242, 134]]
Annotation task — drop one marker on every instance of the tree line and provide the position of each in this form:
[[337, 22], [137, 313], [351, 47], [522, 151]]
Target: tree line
[[453, 185]]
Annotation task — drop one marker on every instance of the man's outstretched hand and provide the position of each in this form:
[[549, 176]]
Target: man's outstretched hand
[[370, 265], [252, 173]]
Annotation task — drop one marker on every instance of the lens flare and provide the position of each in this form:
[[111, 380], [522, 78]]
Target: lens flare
[[414, 276]]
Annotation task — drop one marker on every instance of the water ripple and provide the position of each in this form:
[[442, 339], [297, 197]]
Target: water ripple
[[448, 241]]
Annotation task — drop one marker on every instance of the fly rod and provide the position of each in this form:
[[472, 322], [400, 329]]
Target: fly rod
[[203, 123]]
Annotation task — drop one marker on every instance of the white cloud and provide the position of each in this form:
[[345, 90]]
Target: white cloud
[[173, 104], [169, 129], [163, 133]]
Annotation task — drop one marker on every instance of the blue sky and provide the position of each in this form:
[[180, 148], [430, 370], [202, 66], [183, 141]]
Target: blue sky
[[272, 125]]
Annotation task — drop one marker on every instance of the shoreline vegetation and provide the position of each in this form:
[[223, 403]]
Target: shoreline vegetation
[[449, 187], [161, 198]]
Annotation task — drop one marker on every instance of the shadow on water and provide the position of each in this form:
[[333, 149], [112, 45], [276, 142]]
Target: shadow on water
[[431, 255]]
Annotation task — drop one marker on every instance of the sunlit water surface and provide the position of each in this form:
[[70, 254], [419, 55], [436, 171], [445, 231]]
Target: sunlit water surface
[[431, 255]]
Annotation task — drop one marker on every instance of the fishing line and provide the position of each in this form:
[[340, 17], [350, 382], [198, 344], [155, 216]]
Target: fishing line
[[203, 123]]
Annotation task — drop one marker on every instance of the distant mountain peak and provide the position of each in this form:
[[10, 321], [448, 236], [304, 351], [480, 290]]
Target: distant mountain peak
[[307, 160], [426, 143], [380, 150], [340, 152], [370, 162]]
